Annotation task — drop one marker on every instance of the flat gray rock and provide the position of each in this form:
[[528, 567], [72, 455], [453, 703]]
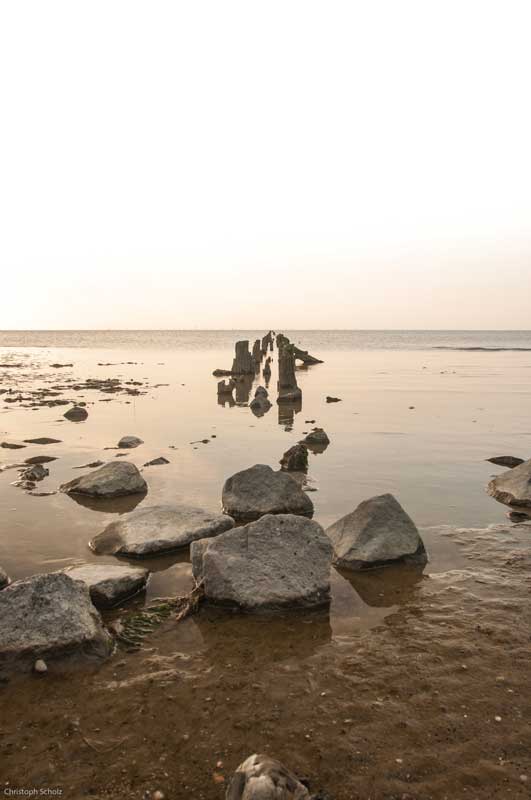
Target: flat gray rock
[[259, 490], [49, 616], [279, 561], [110, 584], [114, 479], [159, 529], [129, 442], [4, 578], [261, 777], [513, 488], [377, 533]]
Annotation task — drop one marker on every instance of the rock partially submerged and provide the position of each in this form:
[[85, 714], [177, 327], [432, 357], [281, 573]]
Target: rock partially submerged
[[295, 459], [76, 414], [377, 533], [49, 616], [114, 479], [261, 777], [12, 446], [43, 440], [513, 487], [129, 442], [34, 472], [40, 459], [159, 529], [506, 461], [110, 584], [260, 404], [4, 578], [259, 490], [317, 440], [155, 462], [278, 561]]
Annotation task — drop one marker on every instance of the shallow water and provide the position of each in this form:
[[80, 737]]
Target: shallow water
[[395, 690], [468, 406]]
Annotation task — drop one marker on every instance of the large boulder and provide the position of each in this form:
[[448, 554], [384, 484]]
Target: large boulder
[[513, 488], [114, 479], [159, 529], [110, 584], [4, 578], [278, 561], [261, 777], [377, 533], [259, 490], [49, 616]]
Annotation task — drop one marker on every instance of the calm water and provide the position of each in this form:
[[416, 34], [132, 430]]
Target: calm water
[[469, 404]]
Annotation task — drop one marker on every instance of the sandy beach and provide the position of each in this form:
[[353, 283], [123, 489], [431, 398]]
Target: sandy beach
[[414, 684]]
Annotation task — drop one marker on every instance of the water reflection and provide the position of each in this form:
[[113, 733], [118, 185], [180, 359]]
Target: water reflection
[[286, 413], [384, 588], [115, 505], [243, 389], [262, 639]]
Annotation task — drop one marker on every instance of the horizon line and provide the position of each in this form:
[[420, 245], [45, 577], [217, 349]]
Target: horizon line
[[230, 330]]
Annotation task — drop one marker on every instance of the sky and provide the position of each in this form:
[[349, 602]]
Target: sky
[[242, 164]]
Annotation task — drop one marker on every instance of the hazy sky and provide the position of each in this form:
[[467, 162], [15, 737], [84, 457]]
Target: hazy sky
[[294, 164]]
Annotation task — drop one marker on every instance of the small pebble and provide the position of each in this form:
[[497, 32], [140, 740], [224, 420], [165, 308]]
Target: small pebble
[[498, 719], [158, 795], [40, 666]]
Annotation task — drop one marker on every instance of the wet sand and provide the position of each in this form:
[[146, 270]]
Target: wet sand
[[431, 702], [396, 693]]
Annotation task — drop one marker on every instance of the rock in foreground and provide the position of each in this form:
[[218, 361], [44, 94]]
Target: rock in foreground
[[110, 584], [513, 488], [49, 616], [261, 777], [159, 529], [114, 479], [259, 490], [377, 533], [279, 561]]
